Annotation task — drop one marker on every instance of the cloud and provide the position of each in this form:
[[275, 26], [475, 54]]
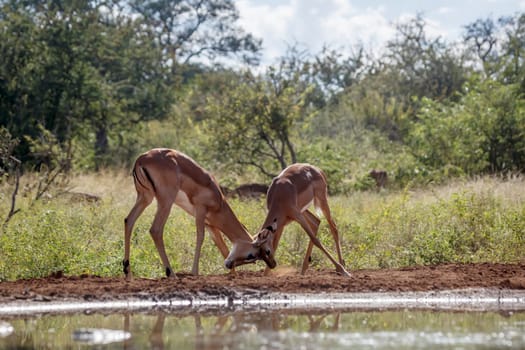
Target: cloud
[[341, 24], [267, 22], [312, 24], [444, 10], [368, 26]]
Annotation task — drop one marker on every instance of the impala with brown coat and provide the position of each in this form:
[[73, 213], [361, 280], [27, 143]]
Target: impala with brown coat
[[172, 177], [289, 196]]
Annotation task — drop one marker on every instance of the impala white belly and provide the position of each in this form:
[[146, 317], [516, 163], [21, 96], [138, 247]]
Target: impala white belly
[[183, 201]]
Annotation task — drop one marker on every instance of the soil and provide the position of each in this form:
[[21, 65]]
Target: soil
[[284, 280]]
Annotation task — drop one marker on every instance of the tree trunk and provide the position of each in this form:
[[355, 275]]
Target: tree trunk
[[101, 145]]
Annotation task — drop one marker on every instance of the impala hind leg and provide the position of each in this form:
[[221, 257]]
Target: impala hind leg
[[304, 224], [314, 222], [143, 200], [323, 204], [157, 231]]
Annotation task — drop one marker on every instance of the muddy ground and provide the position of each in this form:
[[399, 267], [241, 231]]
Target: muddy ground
[[284, 280]]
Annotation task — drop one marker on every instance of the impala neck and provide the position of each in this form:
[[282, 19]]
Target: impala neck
[[228, 223], [276, 217]]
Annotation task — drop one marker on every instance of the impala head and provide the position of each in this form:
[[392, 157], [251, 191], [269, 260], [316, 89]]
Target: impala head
[[264, 243], [249, 252], [240, 254]]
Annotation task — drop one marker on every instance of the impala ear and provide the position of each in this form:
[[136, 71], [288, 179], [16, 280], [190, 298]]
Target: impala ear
[[273, 227], [261, 238]]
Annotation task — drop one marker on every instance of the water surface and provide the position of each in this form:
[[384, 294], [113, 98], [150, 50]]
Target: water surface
[[270, 329]]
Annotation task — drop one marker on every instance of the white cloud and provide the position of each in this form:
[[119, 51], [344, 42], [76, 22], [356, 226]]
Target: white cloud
[[444, 10], [341, 24], [368, 26], [312, 24], [267, 22]]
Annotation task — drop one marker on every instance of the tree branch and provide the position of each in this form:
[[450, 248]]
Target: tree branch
[[12, 211], [258, 166]]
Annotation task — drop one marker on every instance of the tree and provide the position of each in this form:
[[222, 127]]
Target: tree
[[514, 49], [334, 72], [90, 71], [483, 132], [482, 38], [188, 29], [423, 66], [9, 167], [253, 123], [75, 70], [499, 45]]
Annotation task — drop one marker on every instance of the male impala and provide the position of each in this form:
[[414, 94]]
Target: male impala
[[288, 199], [172, 177]]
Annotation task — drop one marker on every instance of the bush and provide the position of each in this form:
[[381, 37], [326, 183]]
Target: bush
[[483, 132]]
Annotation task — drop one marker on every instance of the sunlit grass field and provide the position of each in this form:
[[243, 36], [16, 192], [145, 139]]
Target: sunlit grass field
[[465, 221]]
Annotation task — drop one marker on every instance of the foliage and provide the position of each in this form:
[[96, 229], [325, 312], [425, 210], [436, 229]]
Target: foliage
[[106, 81], [253, 123], [483, 132], [88, 72], [419, 65], [191, 28]]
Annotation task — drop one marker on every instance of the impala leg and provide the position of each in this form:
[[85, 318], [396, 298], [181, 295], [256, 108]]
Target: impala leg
[[200, 217], [143, 200], [157, 231], [304, 224], [155, 338], [333, 229], [275, 243], [217, 238], [277, 237], [314, 222]]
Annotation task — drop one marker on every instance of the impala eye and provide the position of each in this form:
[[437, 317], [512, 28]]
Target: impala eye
[[268, 252], [250, 257]]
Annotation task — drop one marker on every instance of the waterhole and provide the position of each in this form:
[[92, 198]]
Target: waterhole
[[451, 320]]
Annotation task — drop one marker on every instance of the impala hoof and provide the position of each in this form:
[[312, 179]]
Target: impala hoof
[[344, 273]]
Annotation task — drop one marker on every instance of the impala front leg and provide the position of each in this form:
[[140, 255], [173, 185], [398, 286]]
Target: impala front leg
[[275, 243], [216, 236], [200, 217]]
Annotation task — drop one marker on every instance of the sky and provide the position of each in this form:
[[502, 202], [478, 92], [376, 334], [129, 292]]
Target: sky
[[341, 24]]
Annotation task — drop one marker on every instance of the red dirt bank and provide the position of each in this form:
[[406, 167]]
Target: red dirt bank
[[420, 278]]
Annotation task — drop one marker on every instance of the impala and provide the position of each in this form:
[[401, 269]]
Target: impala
[[172, 177], [289, 196]]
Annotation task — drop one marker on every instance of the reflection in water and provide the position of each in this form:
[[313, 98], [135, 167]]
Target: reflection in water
[[229, 331], [96, 336], [275, 330], [5, 329]]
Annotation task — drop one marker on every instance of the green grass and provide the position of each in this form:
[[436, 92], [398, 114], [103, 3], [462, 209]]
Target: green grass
[[475, 221]]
